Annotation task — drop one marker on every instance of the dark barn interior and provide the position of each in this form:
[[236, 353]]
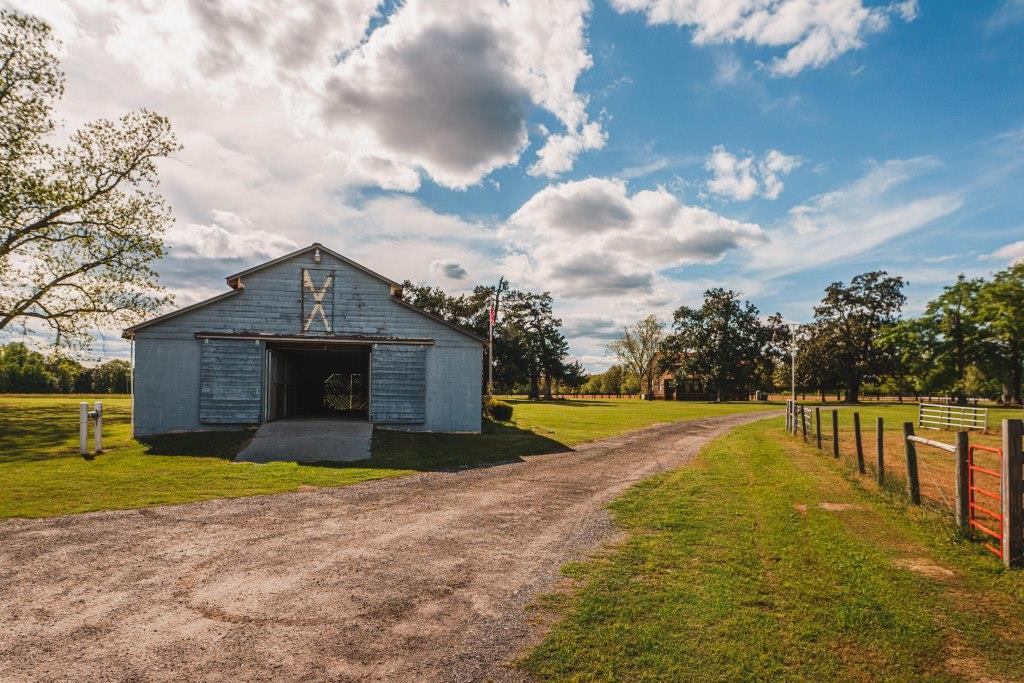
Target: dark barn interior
[[315, 379]]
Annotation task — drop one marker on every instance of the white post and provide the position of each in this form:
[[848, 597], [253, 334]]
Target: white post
[[83, 428], [98, 435]]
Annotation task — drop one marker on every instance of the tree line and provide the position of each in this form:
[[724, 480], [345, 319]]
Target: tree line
[[530, 351], [24, 371], [966, 344]]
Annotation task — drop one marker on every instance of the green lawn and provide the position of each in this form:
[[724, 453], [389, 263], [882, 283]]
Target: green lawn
[[41, 473], [572, 421], [766, 559]]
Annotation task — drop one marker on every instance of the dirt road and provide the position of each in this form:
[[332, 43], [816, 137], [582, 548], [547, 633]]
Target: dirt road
[[420, 578]]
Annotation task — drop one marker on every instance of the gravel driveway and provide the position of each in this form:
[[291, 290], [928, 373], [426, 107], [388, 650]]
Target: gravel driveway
[[424, 577]]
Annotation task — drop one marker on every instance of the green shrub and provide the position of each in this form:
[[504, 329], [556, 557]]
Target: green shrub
[[497, 410]]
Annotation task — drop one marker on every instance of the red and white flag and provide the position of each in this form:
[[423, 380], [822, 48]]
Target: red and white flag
[[492, 314]]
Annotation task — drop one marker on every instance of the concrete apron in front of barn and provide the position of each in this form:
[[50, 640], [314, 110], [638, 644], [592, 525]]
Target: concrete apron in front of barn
[[309, 439]]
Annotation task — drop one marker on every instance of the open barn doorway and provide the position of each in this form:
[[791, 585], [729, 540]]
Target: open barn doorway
[[310, 379]]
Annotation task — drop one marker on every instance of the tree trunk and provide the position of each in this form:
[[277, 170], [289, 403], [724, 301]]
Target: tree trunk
[[547, 386], [650, 387], [1015, 375], [534, 388], [853, 391]]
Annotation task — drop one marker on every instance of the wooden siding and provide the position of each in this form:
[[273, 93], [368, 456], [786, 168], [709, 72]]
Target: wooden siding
[[230, 381], [398, 377]]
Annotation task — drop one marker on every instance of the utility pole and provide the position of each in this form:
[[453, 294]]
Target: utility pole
[[792, 354], [493, 317]]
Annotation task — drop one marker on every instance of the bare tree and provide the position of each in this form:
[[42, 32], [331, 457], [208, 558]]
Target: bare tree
[[80, 225], [637, 350]]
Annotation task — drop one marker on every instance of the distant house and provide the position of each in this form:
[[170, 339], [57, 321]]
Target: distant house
[[311, 332]]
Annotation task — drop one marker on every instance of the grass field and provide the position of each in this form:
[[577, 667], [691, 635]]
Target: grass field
[[41, 473], [767, 560]]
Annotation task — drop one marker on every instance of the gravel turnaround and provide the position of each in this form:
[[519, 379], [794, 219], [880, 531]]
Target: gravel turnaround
[[420, 578]]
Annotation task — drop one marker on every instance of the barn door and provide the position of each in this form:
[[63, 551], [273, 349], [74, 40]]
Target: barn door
[[277, 386], [230, 381], [398, 379]]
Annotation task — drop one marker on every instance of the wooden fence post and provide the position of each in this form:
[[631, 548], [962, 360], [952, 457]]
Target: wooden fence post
[[803, 424], [789, 415], [912, 480], [1012, 493], [880, 455], [83, 428], [835, 433], [860, 444], [817, 425], [98, 435], [963, 482]]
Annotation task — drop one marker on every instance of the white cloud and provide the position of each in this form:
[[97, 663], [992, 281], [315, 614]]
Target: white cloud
[[228, 236], [815, 32], [1009, 13], [1012, 253], [436, 87], [853, 219], [560, 152], [591, 238], [743, 178]]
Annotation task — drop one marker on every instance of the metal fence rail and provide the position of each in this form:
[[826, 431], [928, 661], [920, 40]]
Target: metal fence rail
[[940, 416], [979, 514]]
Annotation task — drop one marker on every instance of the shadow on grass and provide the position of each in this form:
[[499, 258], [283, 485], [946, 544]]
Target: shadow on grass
[[223, 445], [496, 444], [564, 402], [43, 432]]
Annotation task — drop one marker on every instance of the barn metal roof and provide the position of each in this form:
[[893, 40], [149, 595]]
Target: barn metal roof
[[129, 331]]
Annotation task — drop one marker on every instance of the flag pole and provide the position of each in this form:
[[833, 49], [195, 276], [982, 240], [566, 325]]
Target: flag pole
[[492, 317]]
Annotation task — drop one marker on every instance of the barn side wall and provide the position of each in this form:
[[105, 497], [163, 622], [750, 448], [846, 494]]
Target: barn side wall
[[167, 354]]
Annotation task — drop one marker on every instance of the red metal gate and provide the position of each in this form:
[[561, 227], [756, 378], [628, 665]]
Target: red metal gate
[[976, 509]]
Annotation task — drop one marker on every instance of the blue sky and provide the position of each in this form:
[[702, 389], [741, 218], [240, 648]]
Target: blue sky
[[625, 154]]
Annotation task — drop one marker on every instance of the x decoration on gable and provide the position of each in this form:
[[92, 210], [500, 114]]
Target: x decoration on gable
[[316, 305]]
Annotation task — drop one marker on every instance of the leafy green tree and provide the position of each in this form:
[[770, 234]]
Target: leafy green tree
[[80, 224], [816, 367], [529, 348], [907, 365], [848, 319], [631, 384], [112, 377], [575, 376], [23, 370], [722, 343], [1001, 304], [607, 382], [66, 371], [957, 334], [775, 337], [638, 350], [469, 311], [529, 317]]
